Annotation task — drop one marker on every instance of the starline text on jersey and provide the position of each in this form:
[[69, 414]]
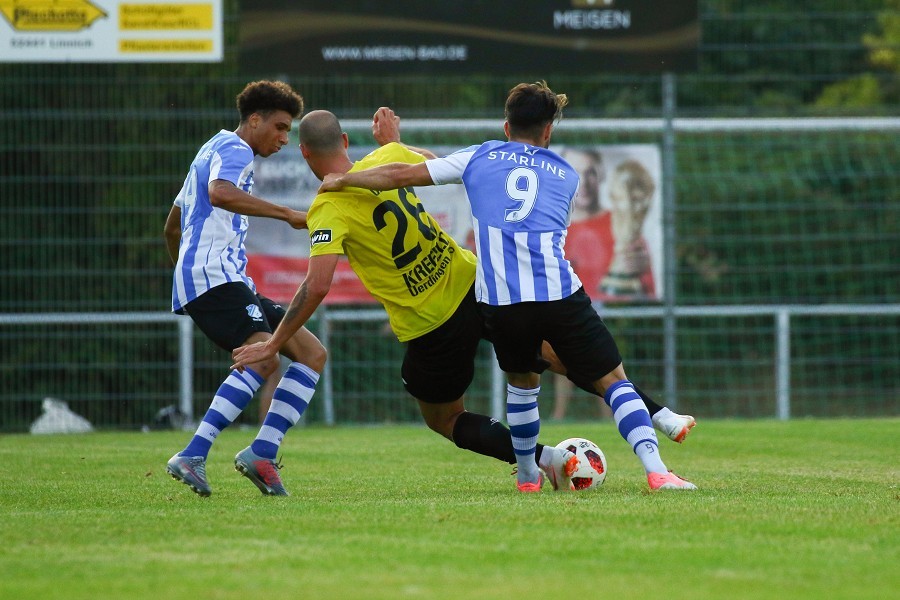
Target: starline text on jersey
[[528, 161]]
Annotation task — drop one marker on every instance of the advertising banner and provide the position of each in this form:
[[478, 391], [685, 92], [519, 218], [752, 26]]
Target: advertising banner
[[614, 240], [92, 31], [336, 37]]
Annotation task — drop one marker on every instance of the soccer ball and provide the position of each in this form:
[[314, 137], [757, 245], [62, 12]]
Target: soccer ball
[[591, 471]]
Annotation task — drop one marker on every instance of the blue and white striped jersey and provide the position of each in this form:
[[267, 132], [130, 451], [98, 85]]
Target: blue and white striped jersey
[[212, 239], [521, 198]]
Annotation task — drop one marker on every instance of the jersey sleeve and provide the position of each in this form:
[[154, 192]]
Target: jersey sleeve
[[327, 225], [392, 152], [450, 169], [229, 162]]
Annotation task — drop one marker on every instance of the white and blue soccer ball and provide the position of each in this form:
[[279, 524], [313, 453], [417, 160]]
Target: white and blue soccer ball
[[591, 471]]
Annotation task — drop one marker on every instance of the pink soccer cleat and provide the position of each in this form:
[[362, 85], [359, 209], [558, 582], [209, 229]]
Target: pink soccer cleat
[[668, 481], [530, 487]]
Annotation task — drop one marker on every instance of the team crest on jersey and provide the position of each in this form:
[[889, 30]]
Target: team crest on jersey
[[254, 312], [320, 236]]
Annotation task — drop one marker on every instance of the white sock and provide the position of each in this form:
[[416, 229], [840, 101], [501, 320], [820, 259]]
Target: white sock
[[635, 427]]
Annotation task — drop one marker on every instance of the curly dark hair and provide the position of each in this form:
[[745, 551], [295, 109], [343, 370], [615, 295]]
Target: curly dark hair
[[530, 106], [265, 97]]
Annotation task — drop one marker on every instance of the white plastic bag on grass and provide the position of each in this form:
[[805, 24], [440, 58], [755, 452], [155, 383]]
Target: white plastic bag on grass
[[58, 418]]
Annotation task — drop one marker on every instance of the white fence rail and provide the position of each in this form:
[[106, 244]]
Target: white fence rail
[[781, 314]]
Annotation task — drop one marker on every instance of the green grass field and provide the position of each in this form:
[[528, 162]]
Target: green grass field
[[803, 509]]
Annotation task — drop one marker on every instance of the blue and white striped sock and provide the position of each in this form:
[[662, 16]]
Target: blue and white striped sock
[[231, 399], [290, 399], [524, 426], [634, 424]]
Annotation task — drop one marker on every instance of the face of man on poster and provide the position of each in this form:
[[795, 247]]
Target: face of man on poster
[[588, 163]]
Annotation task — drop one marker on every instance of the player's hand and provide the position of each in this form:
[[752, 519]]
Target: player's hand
[[385, 126], [253, 353], [297, 219], [331, 183]]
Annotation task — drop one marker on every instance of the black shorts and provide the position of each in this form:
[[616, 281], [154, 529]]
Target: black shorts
[[571, 325], [439, 366], [230, 313]]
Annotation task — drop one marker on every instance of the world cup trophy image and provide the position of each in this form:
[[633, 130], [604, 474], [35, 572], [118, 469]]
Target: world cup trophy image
[[631, 189]]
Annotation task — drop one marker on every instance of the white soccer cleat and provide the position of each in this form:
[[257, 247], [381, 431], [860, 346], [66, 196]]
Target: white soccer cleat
[[562, 466], [675, 427]]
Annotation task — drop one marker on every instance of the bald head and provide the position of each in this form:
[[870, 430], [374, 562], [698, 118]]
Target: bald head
[[320, 132]]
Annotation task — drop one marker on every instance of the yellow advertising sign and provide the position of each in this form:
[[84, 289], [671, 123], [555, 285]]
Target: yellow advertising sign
[[165, 45], [168, 17], [35, 31], [50, 15]]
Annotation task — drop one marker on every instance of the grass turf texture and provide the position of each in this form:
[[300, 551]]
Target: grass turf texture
[[801, 509]]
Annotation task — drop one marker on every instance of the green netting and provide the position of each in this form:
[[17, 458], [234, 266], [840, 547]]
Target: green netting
[[788, 216]]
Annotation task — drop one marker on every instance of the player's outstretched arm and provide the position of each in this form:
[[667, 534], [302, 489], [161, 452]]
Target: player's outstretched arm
[[386, 129], [308, 297], [224, 194], [385, 177], [385, 126], [172, 232]]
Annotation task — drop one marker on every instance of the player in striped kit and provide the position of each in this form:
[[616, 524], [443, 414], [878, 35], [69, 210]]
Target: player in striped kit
[[521, 196], [205, 234]]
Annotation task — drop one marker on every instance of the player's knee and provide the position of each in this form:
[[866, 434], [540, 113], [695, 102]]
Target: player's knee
[[610, 379], [441, 422], [315, 357], [267, 367], [308, 351]]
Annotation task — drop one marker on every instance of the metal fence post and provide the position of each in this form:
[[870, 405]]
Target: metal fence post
[[328, 391], [498, 390], [186, 367], [783, 364], [670, 354]]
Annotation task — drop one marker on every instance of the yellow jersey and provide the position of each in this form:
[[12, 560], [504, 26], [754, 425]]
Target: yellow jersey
[[399, 252]]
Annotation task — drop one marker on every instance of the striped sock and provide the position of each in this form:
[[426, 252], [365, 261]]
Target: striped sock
[[634, 424], [524, 425], [290, 399], [232, 397]]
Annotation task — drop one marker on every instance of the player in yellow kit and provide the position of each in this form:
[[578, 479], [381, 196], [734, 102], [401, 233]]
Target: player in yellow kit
[[418, 272], [422, 277]]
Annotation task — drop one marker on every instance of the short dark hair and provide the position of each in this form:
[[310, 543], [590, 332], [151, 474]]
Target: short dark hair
[[530, 106], [265, 97]]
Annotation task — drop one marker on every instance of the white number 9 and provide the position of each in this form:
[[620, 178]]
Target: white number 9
[[526, 195]]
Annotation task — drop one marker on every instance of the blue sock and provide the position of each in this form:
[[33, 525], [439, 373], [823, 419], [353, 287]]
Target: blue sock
[[524, 426], [290, 399], [231, 399], [634, 424]]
